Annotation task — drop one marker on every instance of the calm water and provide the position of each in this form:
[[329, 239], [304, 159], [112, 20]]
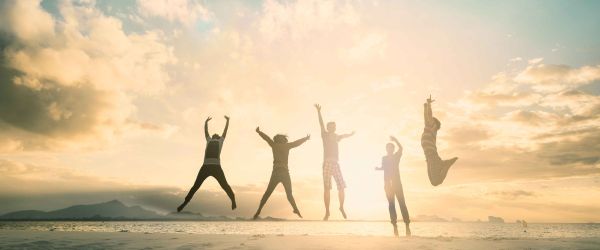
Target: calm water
[[423, 229]]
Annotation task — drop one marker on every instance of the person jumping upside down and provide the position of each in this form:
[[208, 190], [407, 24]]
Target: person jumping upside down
[[437, 169]]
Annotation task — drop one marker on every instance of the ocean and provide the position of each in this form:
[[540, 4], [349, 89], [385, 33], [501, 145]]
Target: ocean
[[358, 228]]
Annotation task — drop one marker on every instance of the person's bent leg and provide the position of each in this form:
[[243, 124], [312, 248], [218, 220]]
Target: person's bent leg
[[445, 166], [270, 187], [220, 176], [287, 185], [434, 170], [202, 175], [342, 197], [341, 185]]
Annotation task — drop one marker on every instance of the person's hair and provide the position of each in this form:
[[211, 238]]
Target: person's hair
[[279, 138], [216, 136], [437, 123]]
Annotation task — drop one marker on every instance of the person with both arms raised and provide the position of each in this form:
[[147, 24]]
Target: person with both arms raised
[[212, 165], [281, 150]]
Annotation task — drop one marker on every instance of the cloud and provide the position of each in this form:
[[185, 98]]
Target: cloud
[[511, 195], [503, 99], [557, 77], [532, 118], [369, 46], [527, 132], [76, 85], [186, 12], [581, 150], [303, 19], [38, 26]]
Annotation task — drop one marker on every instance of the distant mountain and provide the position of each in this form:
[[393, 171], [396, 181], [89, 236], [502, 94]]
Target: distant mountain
[[108, 210], [429, 218], [113, 210], [494, 219]]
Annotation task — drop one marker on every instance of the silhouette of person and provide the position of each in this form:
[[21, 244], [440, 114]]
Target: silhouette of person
[[392, 184], [331, 168], [437, 169], [281, 150], [212, 165]]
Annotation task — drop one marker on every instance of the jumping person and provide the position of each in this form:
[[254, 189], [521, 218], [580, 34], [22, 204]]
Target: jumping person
[[281, 150], [437, 169], [330, 163], [212, 165], [393, 186]]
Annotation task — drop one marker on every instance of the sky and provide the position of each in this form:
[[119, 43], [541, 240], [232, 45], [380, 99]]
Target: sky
[[103, 100]]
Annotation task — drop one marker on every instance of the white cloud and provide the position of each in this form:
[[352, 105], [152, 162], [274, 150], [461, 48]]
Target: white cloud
[[369, 46], [558, 74], [38, 25], [186, 12], [301, 19]]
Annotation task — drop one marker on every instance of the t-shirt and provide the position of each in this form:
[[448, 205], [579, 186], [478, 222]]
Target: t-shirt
[[281, 152], [330, 146], [391, 166], [212, 153]]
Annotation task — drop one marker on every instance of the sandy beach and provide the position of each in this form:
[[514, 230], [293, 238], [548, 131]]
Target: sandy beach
[[125, 240]]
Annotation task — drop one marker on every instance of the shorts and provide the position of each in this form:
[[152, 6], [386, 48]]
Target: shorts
[[332, 169]]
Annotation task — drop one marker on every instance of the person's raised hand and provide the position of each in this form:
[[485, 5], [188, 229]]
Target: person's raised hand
[[318, 107], [429, 100], [227, 117], [257, 129], [208, 119], [308, 137]]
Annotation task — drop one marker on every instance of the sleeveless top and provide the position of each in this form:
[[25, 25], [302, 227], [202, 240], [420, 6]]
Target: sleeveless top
[[212, 154]]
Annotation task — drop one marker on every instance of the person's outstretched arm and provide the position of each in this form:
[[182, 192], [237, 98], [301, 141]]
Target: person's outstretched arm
[[381, 167], [264, 136], [344, 136], [428, 113], [320, 117], [399, 151], [299, 142], [206, 134], [226, 127]]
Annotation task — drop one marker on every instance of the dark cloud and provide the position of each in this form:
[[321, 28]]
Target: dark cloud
[[53, 111], [60, 86], [584, 150]]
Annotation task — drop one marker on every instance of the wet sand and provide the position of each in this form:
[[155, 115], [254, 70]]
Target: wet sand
[[13, 239]]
